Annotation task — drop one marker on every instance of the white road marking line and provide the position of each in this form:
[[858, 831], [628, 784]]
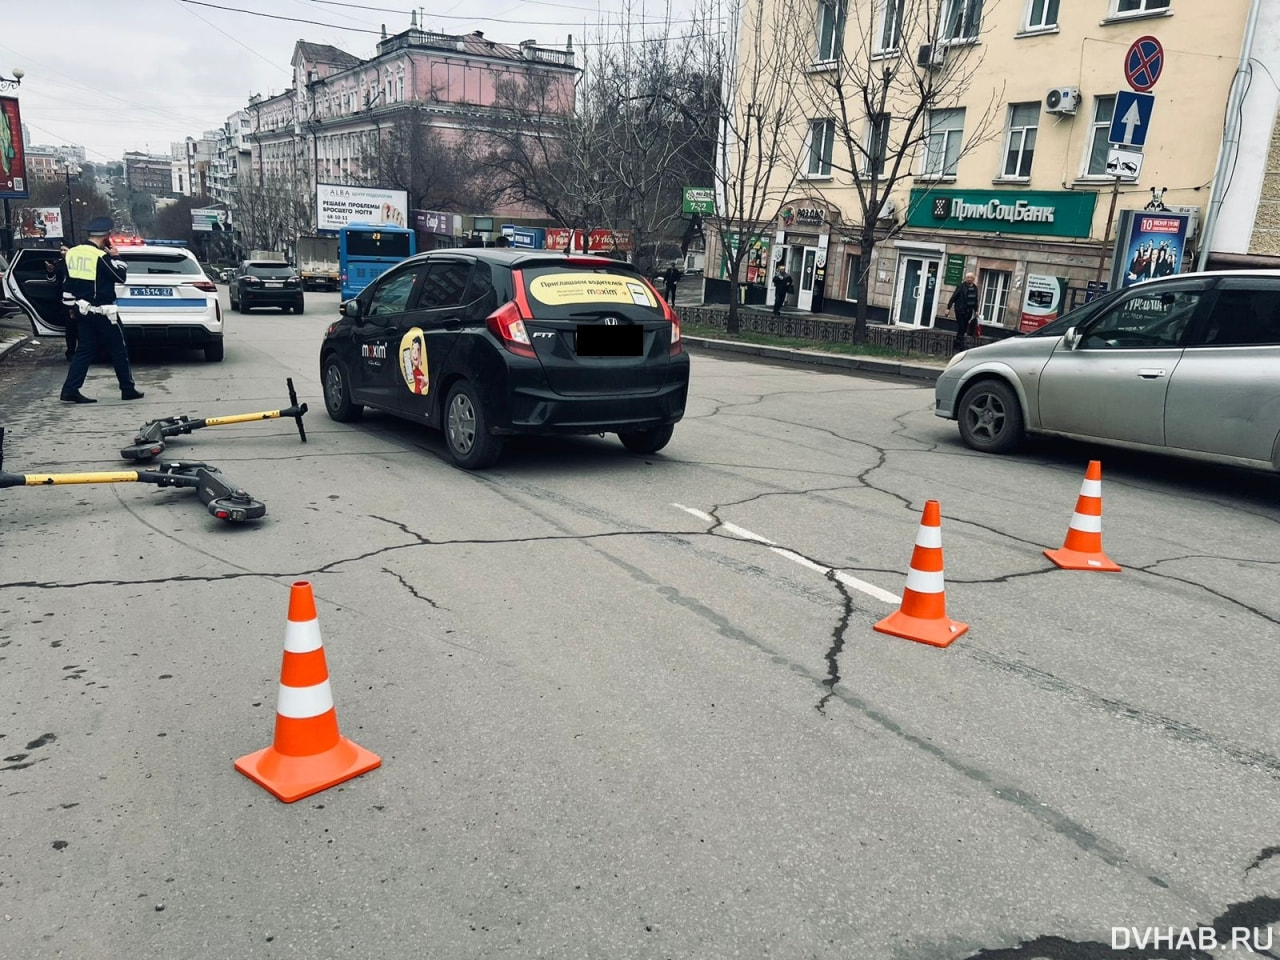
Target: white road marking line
[[849, 581]]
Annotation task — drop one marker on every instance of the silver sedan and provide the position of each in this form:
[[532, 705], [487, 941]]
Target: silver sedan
[[1186, 365]]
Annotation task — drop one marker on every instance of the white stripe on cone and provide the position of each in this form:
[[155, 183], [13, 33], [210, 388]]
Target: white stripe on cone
[[1086, 523], [929, 537], [301, 703], [1091, 488], [302, 637], [924, 581]]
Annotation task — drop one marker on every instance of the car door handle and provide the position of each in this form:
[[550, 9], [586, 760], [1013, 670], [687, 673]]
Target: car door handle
[[1151, 373], [453, 324]]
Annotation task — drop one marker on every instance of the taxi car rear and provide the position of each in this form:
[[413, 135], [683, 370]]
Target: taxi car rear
[[487, 343], [166, 299]]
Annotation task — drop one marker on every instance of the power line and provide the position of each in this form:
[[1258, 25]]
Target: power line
[[233, 39]]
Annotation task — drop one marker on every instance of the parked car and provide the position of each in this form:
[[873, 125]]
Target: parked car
[[165, 300], [484, 343], [1186, 365], [265, 283]]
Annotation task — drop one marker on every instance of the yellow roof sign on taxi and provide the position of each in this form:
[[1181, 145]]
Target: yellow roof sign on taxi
[[562, 288]]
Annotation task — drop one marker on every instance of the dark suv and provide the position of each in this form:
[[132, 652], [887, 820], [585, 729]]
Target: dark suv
[[485, 343], [265, 283]]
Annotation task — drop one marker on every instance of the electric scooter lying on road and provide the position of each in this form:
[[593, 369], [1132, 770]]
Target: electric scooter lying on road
[[223, 499], [150, 441]]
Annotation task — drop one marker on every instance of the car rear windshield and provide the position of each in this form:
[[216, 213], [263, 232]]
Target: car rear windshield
[[149, 263], [568, 292], [270, 271]]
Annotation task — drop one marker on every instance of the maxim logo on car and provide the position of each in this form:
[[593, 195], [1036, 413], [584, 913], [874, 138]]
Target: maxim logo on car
[[953, 208], [373, 351]]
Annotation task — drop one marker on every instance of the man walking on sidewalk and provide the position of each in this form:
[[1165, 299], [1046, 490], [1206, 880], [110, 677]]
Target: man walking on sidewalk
[[964, 305], [781, 287], [92, 275]]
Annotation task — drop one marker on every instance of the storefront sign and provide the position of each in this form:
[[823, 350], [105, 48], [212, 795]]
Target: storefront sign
[[1148, 245], [793, 215], [955, 270], [1042, 301], [1042, 213], [701, 200], [431, 221], [590, 241], [756, 261]]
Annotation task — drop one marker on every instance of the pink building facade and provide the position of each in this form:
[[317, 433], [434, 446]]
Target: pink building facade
[[340, 106]]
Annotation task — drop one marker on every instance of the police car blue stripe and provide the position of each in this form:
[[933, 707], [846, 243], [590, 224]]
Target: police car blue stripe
[[161, 302]]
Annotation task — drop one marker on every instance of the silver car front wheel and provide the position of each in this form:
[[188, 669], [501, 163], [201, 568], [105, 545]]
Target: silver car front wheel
[[990, 417]]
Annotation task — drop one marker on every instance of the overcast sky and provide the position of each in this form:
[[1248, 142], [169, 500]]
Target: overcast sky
[[142, 74]]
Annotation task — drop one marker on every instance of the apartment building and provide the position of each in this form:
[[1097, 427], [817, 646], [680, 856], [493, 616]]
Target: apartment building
[[1010, 173], [190, 169]]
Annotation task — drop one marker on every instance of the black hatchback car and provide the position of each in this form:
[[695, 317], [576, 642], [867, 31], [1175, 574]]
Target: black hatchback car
[[265, 283], [486, 343]]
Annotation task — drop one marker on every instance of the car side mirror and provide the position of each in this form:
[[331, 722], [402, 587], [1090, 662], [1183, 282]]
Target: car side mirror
[[351, 308], [1071, 339]]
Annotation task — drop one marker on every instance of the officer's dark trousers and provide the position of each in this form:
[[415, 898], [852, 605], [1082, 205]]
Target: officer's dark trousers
[[95, 331]]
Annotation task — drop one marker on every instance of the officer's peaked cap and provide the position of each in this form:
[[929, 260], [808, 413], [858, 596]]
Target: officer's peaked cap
[[99, 225]]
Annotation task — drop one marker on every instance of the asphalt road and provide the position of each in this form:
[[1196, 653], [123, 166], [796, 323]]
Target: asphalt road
[[628, 707]]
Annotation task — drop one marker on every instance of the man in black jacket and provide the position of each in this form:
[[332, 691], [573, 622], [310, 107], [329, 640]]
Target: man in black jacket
[[92, 275], [964, 305]]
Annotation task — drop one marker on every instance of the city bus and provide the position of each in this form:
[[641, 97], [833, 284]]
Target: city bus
[[368, 250]]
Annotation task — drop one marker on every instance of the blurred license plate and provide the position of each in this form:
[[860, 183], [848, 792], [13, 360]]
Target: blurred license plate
[[599, 340], [151, 291], [275, 283]]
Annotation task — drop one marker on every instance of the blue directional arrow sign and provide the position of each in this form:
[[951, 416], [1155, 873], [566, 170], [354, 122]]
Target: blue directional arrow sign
[[1132, 118]]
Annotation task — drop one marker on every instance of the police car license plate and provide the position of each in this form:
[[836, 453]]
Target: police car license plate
[[151, 291]]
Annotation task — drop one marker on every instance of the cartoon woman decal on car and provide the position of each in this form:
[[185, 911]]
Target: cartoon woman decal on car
[[413, 361]]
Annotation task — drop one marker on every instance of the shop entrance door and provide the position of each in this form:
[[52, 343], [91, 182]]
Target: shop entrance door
[[916, 304], [803, 261]]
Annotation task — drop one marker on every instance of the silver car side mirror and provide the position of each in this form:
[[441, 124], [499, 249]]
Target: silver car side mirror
[[1071, 338]]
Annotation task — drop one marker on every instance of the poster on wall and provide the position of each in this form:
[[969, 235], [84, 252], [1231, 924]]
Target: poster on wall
[[756, 263], [37, 223], [338, 205], [1042, 301], [1149, 244], [13, 160]]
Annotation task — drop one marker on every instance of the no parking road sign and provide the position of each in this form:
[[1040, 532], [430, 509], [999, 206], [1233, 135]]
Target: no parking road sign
[[1144, 63]]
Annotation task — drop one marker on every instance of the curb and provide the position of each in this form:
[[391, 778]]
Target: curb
[[8, 346], [888, 368]]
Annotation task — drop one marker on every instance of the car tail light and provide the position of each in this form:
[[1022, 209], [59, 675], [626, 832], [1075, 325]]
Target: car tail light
[[252, 281], [205, 285], [670, 315], [507, 324], [291, 282]]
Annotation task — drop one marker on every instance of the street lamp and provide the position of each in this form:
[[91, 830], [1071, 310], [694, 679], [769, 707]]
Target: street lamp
[[12, 83], [71, 213]]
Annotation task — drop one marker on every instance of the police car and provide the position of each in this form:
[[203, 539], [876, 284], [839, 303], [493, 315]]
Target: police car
[[166, 299]]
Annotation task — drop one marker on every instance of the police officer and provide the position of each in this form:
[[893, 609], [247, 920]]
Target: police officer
[[92, 275]]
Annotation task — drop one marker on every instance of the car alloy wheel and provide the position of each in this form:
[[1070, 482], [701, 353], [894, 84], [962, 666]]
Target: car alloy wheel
[[990, 417], [337, 393], [467, 431]]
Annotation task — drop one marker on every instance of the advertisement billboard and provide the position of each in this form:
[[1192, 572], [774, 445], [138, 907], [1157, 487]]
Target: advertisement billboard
[[1149, 244], [338, 205], [1042, 301], [37, 223], [208, 219], [592, 241], [13, 160]]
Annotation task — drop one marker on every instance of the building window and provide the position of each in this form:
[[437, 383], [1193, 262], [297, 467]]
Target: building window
[[822, 135], [942, 143], [1020, 142], [1126, 7], [877, 143], [962, 20], [853, 274], [400, 87], [889, 31], [831, 17], [1042, 14], [995, 296]]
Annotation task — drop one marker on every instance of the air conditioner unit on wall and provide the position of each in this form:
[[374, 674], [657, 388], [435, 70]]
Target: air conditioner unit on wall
[[931, 55], [1062, 100]]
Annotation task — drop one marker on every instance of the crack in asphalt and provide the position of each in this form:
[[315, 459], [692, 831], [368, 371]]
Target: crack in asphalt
[[837, 642], [410, 587]]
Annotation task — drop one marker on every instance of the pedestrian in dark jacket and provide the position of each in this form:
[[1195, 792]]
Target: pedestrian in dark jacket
[[670, 278], [92, 275], [781, 287], [964, 306]]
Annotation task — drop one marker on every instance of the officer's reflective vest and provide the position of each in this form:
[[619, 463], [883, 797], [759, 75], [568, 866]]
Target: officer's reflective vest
[[82, 262]]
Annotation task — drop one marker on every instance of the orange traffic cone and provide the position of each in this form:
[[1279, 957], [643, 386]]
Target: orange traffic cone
[[1083, 547], [308, 754], [923, 614]]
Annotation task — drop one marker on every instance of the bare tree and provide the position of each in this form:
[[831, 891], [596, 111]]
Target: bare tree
[[756, 156], [425, 161], [886, 109], [270, 215]]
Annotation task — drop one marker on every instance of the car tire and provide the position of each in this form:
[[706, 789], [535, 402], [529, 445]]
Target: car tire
[[213, 351], [647, 441], [990, 417], [337, 392], [466, 429]]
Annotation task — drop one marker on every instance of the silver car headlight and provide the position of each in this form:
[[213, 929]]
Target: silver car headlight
[[956, 359]]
